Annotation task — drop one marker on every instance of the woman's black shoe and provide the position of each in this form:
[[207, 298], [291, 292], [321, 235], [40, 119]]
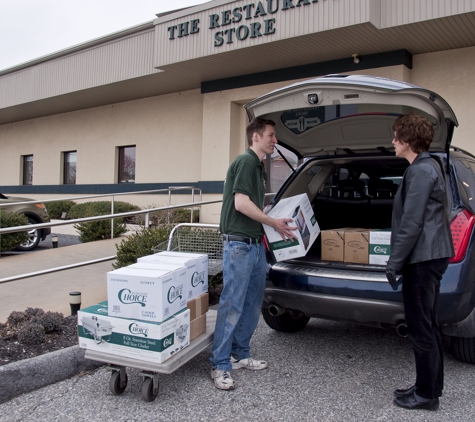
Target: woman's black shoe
[[412, 401]]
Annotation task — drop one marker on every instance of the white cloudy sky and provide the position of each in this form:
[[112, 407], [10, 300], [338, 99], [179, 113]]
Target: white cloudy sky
[[33, 28]]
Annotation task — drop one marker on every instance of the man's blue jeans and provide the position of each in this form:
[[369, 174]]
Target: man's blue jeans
[[244, 280]]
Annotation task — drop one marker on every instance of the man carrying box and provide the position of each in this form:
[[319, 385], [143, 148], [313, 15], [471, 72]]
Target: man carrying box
[[244, 262]]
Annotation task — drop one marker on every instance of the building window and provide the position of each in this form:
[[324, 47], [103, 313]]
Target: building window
[[28, 169], [127, 164], [69, 167]]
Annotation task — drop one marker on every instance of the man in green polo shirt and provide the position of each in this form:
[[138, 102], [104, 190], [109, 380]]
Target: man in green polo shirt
[[244, 262]]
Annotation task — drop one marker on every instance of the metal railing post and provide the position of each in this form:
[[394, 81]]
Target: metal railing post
[[147, 223], [112, 219]]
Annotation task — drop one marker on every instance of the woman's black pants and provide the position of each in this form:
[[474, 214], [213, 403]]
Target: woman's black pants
[[420, 290]]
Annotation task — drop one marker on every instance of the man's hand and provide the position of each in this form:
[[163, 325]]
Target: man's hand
[[391, 276], [280, 226]]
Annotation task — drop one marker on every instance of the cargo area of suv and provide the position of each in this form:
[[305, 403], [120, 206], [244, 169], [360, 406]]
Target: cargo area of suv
[[340, 129]]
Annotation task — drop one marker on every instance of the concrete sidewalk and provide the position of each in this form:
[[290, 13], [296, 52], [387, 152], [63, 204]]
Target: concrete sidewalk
[[51, 291]]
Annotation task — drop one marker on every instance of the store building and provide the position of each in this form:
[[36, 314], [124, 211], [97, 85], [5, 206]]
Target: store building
[[160, 104]]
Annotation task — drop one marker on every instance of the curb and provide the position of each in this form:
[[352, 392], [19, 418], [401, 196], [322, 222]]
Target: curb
[[30, 374]]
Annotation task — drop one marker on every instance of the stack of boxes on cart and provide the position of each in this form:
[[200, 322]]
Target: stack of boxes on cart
[[155, 308]]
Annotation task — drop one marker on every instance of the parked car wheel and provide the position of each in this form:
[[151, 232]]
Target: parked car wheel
[[463, 348], [34, 237], [286, 322]]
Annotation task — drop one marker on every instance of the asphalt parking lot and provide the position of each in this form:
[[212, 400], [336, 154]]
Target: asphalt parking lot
[[330, 371]]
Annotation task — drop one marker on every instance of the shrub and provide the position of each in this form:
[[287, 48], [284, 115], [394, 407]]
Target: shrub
[[16, 318], [51, 321], [140, 244], [31, 313], [31, 333], [98, 230], [10, 241], [55, 209], [167, 217]]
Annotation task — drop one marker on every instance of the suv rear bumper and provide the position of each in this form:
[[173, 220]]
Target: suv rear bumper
[[358, 310]]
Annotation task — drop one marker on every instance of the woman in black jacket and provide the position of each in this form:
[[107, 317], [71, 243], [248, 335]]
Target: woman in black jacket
[[421, 245]]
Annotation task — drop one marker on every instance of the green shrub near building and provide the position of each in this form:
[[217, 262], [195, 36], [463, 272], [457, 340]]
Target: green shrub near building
[[10, 241], [56, 208]]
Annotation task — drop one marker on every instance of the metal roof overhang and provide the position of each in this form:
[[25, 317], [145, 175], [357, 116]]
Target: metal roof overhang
[[364, 39]]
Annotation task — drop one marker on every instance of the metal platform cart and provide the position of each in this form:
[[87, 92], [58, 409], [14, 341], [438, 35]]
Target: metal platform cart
[[186, 237], [196, 237]]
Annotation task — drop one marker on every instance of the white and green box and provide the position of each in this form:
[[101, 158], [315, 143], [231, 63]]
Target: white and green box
[[379, 246], [197, 269], [130, 338], [145, 293], [299, 209]]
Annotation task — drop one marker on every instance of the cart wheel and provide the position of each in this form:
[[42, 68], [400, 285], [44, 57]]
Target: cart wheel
[[115, 385], [148, 392]]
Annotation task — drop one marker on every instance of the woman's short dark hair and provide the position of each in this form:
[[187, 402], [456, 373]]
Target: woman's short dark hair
[[259, 126], [415, 130]]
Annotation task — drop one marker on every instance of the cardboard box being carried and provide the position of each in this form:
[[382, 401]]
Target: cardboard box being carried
[[145, 294], [379, 246], [356, 246], [197, 268], [333, 245], [300, 210], [148, 341]]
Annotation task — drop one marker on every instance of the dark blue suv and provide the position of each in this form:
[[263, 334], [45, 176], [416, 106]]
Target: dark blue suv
[[340, 128]]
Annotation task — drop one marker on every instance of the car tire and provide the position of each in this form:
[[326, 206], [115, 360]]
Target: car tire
[[286, 322], [463, 348], [34, 237]]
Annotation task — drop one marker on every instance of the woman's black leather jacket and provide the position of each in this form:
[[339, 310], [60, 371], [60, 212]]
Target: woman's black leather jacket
[[420, 228]]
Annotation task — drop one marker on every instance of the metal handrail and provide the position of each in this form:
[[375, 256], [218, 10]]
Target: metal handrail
[[103, 217], [45, 201], [112, 195]]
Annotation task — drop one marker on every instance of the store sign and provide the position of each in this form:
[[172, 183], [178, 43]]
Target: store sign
[[254, 20]]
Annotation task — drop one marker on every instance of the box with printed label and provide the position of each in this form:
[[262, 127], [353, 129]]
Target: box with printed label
[[379, 246], [196, 264], [356, 246], [145, 293], [143, 340], [333, 245], [299, 209], [198, 306]]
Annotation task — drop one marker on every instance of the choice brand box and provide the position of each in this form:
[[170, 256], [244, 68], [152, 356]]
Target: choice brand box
[[148, 341], [145, 294], [300, 210], [333, 245], [196, 265], [379, 246], [356, 246]]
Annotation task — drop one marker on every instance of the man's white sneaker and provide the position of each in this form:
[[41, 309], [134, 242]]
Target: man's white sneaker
[[249, 363], [222, 379]]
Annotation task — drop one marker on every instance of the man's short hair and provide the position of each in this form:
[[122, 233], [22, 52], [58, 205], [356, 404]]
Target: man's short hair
[[415, 130], [259, 126]]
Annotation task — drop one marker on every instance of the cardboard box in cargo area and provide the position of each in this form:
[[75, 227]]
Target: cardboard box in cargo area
[[143, 340], [145, 294], [356, 246], [379, 246], [300, 210], [333, 245]]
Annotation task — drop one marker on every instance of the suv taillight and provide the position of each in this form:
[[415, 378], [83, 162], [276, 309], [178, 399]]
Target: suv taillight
[[461, 228]]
